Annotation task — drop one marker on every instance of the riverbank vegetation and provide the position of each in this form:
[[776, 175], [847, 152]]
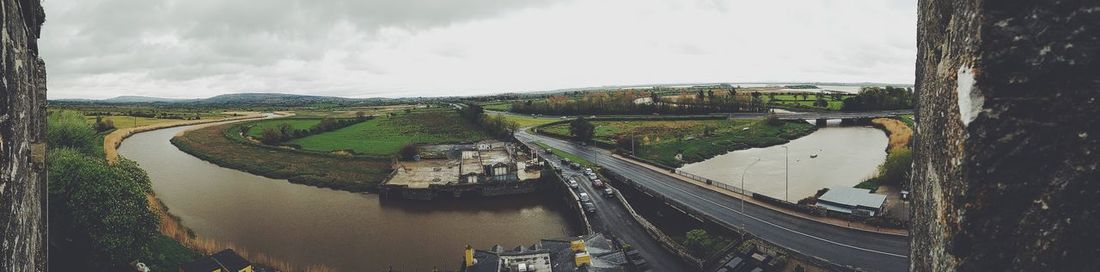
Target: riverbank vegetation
[[99, 217], [672, 143], [216, 144], [273, 132], [898, 165]]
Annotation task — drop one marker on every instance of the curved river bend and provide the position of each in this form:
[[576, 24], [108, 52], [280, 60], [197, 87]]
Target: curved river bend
[[306, 225], [846, 155]]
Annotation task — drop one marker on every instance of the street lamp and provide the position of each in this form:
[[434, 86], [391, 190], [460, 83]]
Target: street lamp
[[746, 171]]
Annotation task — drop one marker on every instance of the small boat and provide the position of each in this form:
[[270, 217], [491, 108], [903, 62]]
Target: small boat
[[813, 156]]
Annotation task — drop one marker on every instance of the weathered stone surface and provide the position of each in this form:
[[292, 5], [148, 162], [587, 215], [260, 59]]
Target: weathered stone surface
[[1005, 167], [22, 138]]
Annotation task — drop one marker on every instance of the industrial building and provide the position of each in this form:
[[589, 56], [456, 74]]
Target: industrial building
[[592, 252], [853, 201]]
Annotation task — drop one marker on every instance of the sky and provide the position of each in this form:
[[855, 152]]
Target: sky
[[400, 48]]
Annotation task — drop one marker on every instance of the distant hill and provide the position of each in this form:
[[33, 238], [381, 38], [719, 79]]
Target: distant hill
[[140, 99], [243, 100], [275, 99]]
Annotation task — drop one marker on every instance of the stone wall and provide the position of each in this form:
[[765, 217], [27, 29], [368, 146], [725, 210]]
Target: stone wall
[[22, 138], [1006, 151]]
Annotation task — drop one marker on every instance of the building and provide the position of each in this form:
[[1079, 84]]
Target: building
[[853, 201], [223, 261], [592, 252], [486, 168]]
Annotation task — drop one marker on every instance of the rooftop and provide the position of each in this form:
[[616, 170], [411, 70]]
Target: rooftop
[[853, 197]]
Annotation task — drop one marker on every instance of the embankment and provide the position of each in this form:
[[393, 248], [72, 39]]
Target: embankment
[[113, 140], [899, 133], [353, 174]]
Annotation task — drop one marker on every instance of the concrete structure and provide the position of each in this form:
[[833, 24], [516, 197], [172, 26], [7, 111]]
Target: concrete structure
[[592, 252], [854, 201], [223, 261], [22, 138], [486, 168], [1005, 156]]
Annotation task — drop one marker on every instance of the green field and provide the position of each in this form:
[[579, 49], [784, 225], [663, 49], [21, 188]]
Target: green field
[[796, 100], [659, 141], [385, 135], [258, 127], [524, 120]]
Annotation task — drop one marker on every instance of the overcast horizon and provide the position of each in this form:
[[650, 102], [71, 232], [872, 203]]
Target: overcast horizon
[[401, 48]]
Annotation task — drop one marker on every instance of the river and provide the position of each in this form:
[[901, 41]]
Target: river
[[846, 155], [305, 225]]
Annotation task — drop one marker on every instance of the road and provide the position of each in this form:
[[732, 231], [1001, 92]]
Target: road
[[847, 247], [611, 217]]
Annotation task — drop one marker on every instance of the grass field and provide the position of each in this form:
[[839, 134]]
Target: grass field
[[651, 132], [524, 120], [294, 122], [567, 155], [129, 121], [661, 141], [346, 173], [787, 99], [385, 135]]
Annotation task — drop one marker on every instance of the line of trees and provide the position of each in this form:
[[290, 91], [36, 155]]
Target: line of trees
[[284, 132], [875, 98], [496, 126], [635, 102]]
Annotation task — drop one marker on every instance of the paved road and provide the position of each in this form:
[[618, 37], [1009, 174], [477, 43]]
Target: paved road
[[611, 217], [841, 115], [847, 247]]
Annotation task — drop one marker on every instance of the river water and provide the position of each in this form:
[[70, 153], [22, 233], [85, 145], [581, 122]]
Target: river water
[[846, 155], [346, 231]]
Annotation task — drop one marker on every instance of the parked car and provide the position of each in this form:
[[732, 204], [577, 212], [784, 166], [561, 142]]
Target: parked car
[[584, 197], [576, 165], [589, 207], [608, 192], [588, 170], [573, 183], [597, 183], [592, 176]]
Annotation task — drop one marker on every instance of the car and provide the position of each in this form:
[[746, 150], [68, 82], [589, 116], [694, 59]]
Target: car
[[589, 207], [573, 183], [588, 170], [576, 165], [592, 176], [597, 183], [608, 192], [584, 197]]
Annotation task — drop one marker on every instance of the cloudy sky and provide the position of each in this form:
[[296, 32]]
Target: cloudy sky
[[391, 48]]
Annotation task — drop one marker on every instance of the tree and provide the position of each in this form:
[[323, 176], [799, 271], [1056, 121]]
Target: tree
[[897, 167], [710, 95], [698, 241], [820, 102], [582, 130], [98, 213], [409, 151], [271, 136]]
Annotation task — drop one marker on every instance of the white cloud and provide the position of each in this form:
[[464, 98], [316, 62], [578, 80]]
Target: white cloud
[[200, 48]]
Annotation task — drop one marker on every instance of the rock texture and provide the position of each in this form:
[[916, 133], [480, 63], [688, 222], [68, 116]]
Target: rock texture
[[22, 138], [1005, 162]]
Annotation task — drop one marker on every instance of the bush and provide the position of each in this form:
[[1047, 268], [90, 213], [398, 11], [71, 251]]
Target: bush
[[98, 213], [67, 129]]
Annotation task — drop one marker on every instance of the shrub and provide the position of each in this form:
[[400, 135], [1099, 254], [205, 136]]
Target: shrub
[[67, 129]]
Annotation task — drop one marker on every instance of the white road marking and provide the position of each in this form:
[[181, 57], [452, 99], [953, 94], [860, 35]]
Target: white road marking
[[781, 227]]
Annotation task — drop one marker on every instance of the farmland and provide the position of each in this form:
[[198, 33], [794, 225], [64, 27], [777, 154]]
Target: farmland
[[523, 120], [385, 135], [295, 123], [659, 141]]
